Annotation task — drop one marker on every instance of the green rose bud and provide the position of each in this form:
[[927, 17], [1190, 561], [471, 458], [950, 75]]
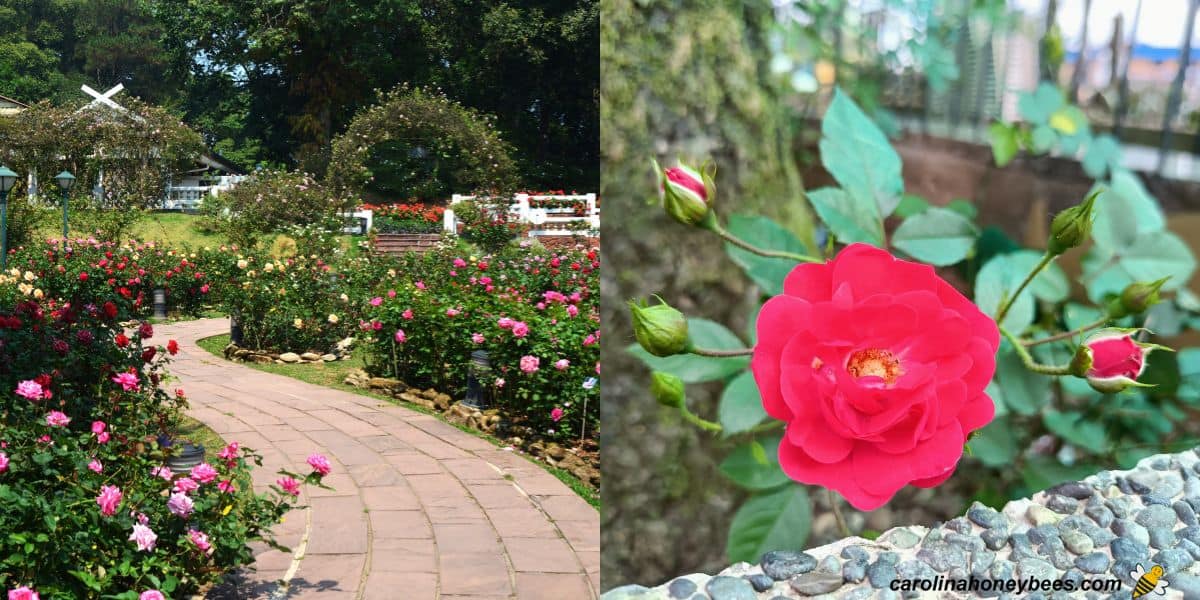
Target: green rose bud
[[1071, 227], [686, 193], [1136, 298], [660, 329], [667, 389]]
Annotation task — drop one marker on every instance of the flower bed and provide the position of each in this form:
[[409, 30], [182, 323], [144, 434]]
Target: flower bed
[[90, 508], [406, 218], [532, 311]]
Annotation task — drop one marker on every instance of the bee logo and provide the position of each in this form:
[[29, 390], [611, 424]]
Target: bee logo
[[1147, 582]]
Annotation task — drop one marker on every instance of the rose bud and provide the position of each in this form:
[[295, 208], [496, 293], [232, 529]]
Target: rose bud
[[1136, 298], [1071, 227], [667, 389], [660, 329], [1111, 360], [686, 193]]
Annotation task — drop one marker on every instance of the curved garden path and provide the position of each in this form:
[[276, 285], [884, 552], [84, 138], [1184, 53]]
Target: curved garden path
[[420, 510]]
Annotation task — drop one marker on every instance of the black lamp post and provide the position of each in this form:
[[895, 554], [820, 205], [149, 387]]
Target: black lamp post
[[7, 180], [65, 181], [478, 379]]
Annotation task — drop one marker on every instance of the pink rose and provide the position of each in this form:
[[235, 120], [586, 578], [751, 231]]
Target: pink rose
[[505, 323], [452, 312], [529, 364], [556, 415], [319, 463], [3, 462], [226, 486], [200, 539], [186, 485], [478, 338], [127, 381], [109, 499], [572, 310], [289, 485], [102, 437], [204, 473], [879, 368], [144, 536], [180, 505], [22, 593], [400, 337], [376, 301], [562, 364], [96, 466], [407, 314], [152, 595], [162, 473], [98, 427], [499, 382], [520, 329], [391, 294], [230, 452], [57, 419], [30, 389]]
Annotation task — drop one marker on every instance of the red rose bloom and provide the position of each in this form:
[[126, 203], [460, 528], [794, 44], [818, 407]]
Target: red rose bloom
[[878, 367], [121, 340], [173, 347]]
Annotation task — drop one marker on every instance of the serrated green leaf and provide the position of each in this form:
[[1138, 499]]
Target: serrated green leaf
[[1024, 391], [850, 219], [1074, 428], [1102, 155], [755, 466], [937, 236], [1037, 106], [995, 445], [741, 406], [767, 273], [1051, 284], [859, 156], [776, 520], [996, 282], [910, 204], [1189, 375], [1155, 255]]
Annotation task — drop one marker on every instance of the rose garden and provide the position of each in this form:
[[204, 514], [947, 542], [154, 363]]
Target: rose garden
[[276, 406]]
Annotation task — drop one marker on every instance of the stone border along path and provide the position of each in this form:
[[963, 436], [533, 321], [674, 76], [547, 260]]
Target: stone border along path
[[1097, 528], [420, 510]]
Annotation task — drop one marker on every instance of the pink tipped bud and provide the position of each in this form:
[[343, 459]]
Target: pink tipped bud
[[1112, 360]]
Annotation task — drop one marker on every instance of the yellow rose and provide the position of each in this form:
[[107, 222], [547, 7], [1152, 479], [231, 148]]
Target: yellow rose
[[333, 318], [242, 264], [298, 323]]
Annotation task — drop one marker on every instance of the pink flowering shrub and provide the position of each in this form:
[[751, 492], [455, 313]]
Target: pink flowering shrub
[[533, 311], [89, 509]]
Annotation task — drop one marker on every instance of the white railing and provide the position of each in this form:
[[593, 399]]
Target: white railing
[[364, 220], [190, 197], [553, 215]]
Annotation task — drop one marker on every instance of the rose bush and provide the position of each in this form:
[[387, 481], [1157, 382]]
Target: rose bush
[[865, 372], [533, 311], [90, 509]]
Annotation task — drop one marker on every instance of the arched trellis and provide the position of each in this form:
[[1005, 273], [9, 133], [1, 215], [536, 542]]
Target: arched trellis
[[434, 126], [137, 150]]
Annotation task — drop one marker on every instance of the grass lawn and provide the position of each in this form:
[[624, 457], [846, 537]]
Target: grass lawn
[[199, 433], [175, 229], [333, 375]]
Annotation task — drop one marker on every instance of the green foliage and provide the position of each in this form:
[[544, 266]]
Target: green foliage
[[271, 201], [762, 232], [420, 144], [741, 406], [938, 236], [859, 156], [696, 369], [779, 519]]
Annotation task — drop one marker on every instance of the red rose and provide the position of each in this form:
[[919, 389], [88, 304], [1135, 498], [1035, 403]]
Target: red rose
[[879, 368], [121, 340], [83, 276], [148, 354], [110, 310], [173, 347]]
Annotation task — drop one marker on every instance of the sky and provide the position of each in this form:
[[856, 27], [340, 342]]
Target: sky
[[1162, 21]]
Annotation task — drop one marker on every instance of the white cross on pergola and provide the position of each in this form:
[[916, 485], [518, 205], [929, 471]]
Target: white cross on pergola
[[106, 97]]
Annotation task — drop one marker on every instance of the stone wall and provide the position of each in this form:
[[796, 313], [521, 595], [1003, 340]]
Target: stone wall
[[1100, 528]]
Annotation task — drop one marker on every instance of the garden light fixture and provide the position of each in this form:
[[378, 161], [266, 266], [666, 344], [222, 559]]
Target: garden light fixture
[[65, 181], [7, 180]]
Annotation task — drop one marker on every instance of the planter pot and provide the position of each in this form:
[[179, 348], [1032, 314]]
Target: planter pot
[[160, 303], [188, 456], [399, 243]]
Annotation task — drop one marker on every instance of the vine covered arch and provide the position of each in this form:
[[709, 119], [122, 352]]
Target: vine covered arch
[[419, 144]]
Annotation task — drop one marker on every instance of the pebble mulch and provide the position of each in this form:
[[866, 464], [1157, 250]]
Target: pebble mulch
[[1101, 527]]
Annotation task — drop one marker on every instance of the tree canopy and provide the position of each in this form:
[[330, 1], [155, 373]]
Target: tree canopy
[[274, 82]]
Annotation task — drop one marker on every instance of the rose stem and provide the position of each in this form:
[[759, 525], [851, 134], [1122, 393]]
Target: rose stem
[[1066, 334], [697, 421], [1031, 364], [837, 512], [732, 239], [1046, 258], [721, 353]]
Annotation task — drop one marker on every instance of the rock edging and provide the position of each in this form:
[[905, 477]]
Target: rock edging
[[1100, 527]]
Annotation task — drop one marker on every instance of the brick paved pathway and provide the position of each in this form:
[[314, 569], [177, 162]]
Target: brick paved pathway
[[420, 509]]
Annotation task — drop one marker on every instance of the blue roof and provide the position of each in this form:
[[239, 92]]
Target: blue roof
[[1143, 51]]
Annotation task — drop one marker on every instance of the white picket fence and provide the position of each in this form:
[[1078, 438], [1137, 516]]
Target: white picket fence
[[547, 220], [190, 197]]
